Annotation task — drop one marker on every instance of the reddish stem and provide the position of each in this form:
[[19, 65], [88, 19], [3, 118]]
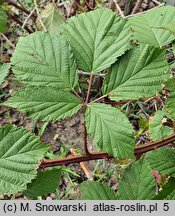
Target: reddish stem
[[88, 154], [19, 22], [13, 3], [73, 159], [138, 151], [89, 88], [76, 94]]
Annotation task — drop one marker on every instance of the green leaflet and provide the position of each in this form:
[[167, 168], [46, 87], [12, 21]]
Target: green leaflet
[[143, 125], [111, 130], [148, 26], [97, 38], [20, 156], [93, 190], [168, 191], [51, 18], [162, 160], [4, 69], [43, 58], [137, 182], [3, 20], [45, 183], [45, 103], [139, 73], [157, 127]]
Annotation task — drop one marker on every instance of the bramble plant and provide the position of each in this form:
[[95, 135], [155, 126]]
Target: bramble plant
[[128, 59]]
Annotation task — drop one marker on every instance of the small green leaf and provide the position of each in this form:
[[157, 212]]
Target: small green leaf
[[45, 183], [111, 130], [4, 69], [158, 129], [143, 126], [162, 160], [20, 156], [44, 58], [92, 190], [137, 182], [51, 18], [45, 103], [147, 27], [168, 191], [3, 20], [139, 73], [98, 38]]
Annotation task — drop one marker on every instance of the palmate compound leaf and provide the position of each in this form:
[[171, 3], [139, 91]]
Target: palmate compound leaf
[[44, 58], [20, 156], [139, 73], [3, 20], [157, 126], [162, 160], [93, 190], [51, 18], [45, 183], [111, 130], [147, 27], [137, 182], [4, 69], [98, 38], [45, 103]]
